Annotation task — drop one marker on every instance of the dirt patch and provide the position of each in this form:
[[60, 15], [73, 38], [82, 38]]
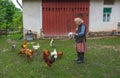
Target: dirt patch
[[105, 47], [4, 50], [11, 41], [103, 37], [31, 42]]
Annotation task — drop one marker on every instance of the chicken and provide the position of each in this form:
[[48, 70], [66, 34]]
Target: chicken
[[13, 46], [52, 43], [24, 45], [36, 47], [21, 52], [48, 60], [27, 52], [59, 54], [54, 53]]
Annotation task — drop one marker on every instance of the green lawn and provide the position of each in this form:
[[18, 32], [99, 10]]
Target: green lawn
[[102, 60]]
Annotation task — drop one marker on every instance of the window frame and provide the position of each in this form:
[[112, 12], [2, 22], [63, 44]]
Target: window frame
[[107, 14], [109, 2]]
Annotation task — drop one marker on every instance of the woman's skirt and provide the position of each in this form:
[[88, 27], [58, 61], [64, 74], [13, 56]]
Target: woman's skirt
[[81, 47]]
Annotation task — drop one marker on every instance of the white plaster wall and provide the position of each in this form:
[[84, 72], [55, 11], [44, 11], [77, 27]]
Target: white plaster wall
[[96, 23], [32, 15]]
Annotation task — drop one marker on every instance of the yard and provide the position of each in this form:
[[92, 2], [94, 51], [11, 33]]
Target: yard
[[102, 60]]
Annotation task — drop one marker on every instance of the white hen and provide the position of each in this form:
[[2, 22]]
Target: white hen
[[52, 43], [36, 47], [54, 53]]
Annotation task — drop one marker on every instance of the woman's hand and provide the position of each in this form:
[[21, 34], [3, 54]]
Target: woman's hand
[[75, 34]]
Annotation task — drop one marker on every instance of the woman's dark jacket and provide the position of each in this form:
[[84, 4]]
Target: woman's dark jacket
[[82, 37]]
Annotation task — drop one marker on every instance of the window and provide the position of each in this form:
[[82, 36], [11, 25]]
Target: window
[[109, 2], [107, 14]]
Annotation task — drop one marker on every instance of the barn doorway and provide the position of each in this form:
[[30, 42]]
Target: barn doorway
[[58, 16]]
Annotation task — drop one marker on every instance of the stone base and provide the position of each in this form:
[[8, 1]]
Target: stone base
[[100, 34]]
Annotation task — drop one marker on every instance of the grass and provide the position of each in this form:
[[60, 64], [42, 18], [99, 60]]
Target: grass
[[102, 60]]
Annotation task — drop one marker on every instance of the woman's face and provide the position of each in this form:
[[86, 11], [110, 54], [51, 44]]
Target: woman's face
[[77, 22]]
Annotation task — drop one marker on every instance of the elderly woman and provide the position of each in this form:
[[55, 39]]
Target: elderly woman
[[80, 38]]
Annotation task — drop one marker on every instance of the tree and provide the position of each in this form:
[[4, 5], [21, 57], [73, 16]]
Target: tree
[[2, 14], [9, 15], [17, 19]]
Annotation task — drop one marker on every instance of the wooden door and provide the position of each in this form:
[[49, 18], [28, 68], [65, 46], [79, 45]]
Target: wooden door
[[58, 16]]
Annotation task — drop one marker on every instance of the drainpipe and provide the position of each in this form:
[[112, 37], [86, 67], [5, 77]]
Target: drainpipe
[[19, 4]]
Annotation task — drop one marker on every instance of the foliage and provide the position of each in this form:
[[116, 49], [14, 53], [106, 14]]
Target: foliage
[[8, 12], [17, 19]]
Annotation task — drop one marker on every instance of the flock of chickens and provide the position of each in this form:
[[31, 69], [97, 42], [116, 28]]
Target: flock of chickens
[[48, 56]]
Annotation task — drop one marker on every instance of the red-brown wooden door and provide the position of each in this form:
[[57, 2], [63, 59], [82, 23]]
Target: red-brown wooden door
[[58, 16]]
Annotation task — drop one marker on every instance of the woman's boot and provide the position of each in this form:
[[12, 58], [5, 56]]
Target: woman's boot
[[80, 60]]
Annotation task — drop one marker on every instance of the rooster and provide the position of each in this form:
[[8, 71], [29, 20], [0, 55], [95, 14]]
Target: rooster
[[24, 45], [46, 56], [27, 52]]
